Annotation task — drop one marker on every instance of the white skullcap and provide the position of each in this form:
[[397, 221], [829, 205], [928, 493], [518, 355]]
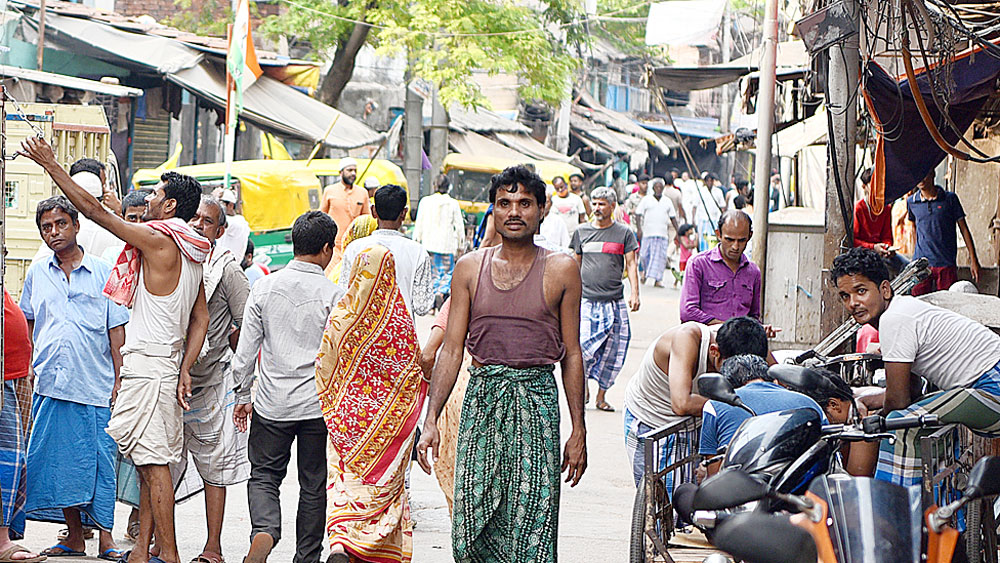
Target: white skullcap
[[347, 161], [372, 183], [90, 182], [228, 196], [963, 286]]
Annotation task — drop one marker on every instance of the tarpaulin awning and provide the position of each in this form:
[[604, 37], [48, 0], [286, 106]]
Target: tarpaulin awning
[[268, 103], [687, 78], [278, 107], [701, 127], [136, 51], [467, 142], [905, 151], [525, 144]]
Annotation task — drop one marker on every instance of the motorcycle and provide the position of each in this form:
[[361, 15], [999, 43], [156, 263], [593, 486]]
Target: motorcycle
[[788, 449], [840, 519]]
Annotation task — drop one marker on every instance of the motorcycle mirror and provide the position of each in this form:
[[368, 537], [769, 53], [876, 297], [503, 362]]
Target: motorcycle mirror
[[717, 388], [727, 489], [801, 377], [984, 480], [763, 538]]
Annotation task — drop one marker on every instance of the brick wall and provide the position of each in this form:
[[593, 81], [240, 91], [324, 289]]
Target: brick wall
[[164, 9]]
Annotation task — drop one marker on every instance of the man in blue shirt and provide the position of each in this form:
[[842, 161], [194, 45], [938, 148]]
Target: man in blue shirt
[[748, 374], [935, 214], [77, 333]]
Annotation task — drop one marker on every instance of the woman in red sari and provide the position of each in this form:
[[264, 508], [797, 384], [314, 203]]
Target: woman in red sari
[[371, 390]]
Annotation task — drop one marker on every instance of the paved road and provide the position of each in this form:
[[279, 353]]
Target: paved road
[[594, 519]]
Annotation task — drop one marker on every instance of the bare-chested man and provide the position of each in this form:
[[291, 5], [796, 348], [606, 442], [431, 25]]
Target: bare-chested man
[[517, 308], [662, 390], [160, 274]]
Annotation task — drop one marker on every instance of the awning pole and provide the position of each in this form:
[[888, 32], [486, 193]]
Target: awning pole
[[320, 142], [765, 126], [41, 34]]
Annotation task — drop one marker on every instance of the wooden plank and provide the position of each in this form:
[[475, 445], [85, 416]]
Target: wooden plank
[[779, 292], [809, 296]]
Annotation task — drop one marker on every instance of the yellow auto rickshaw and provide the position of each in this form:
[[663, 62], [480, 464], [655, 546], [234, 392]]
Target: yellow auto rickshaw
[[273, 193]]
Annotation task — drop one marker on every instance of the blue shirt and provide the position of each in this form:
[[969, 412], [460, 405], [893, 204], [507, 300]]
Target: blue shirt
[[935, 222], [72, 356], [720, 421]]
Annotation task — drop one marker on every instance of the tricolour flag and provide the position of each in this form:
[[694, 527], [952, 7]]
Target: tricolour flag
[[241, 61]]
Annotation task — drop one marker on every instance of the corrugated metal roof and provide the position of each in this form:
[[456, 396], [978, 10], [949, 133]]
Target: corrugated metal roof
[[69, 81], [483, 120]]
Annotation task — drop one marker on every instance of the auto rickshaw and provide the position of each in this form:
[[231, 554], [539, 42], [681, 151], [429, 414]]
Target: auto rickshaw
[[470, 179], [272, 194]]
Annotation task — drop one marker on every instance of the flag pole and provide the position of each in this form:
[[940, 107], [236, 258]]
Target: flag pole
[[229, 145]]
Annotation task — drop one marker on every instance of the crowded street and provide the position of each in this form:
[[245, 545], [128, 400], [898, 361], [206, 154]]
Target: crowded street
[[595, 518], [658, 281]]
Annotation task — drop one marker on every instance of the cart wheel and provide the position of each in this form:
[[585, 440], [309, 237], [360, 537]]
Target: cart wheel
[[637, 545]]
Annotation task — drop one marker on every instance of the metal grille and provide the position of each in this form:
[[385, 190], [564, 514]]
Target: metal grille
[[947, 455], [668, 451]]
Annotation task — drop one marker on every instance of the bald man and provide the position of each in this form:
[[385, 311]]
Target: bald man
[[722, 283]]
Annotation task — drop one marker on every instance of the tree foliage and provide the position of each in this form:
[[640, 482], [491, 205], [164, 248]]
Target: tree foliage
[[446, 40]]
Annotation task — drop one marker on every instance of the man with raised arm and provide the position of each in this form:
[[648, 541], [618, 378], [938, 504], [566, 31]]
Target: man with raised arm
[[517, 308], [159, 274]]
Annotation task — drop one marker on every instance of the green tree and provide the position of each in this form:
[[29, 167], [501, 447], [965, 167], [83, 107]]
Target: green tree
[[446, 40]]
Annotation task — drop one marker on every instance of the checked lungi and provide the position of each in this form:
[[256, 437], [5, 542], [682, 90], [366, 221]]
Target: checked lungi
[[653, 255], [444, 265], [977, 408], [13, 469], [507, 467], [604, 338], [667, 452]]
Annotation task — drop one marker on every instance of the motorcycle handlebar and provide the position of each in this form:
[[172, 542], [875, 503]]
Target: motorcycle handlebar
[[911, 422], [876, 424]]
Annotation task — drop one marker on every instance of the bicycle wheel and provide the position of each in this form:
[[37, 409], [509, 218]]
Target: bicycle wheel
[[973, 531], [637, 544]]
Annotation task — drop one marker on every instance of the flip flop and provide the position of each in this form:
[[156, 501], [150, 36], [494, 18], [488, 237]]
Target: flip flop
[[209, 557], [604, 406], [111, 554], [7, 555], [88, 534], [63, 552]]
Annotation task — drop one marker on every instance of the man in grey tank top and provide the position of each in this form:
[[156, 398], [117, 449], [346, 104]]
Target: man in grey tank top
[[513, 466], [155, 382]]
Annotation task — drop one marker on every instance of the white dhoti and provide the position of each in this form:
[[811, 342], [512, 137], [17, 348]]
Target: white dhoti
[[146, 420]]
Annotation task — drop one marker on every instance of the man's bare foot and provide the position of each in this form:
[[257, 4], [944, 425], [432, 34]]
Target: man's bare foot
[[260, 548], [10, 551]]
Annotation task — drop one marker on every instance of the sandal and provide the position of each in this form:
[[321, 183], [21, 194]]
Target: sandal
[[111, 554], [88, 534], [64, 551], [132, 532], [604, 406], [7, 556], [209, 557]]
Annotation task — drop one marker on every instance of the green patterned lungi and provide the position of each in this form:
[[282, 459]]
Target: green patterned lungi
[[507, 467]]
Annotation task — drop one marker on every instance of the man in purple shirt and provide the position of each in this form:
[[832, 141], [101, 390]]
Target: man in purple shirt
[[722, 283]]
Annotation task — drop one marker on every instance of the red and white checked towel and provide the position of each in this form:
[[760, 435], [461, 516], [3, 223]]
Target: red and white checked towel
[[124, 276]]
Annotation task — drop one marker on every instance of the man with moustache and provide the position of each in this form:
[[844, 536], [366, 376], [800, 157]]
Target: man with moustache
[[604, 248], [956, 354], [516, 307], [344, 202], [160, 274], [77, 334]]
